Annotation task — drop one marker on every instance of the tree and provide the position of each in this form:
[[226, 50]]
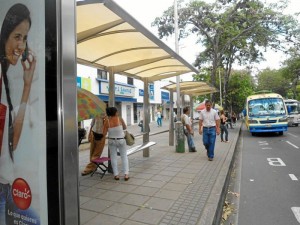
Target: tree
[[291, 72], [231, 31], [274, 81], [241, 85]]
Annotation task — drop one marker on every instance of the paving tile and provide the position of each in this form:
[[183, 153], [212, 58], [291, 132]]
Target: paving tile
[[83, 199], [105, 185], [154, 183], [86, 215], [148, 216], [96, 205], [161, 178], [181, 180], [168, 194], [92, 192], [124, 187], [102, 219], [112, 195], [175, 187], [149, 191], [143, 176], [89, 182], [121, 210], [160, 204], [130, 222], [168, 173], [136, 181], [134, 199]]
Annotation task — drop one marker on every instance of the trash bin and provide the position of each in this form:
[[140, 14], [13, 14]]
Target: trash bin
[[179, 137]]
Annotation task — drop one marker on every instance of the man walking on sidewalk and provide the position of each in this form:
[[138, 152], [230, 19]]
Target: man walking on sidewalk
[[210, 121], [188, 130]]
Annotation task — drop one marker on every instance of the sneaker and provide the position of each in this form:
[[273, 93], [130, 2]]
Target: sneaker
[[210, 159]]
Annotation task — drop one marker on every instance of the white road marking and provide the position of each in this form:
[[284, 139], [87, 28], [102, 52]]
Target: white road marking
[[276, 162], [293, 177], [296, 211], [266, 148], [251, 179], [295, 146], [265, 143], [292, 135]]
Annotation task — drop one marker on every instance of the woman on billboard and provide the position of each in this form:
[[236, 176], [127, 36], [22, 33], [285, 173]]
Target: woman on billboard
[[13, 48]]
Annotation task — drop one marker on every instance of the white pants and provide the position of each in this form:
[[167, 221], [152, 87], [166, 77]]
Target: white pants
[[120, 145]]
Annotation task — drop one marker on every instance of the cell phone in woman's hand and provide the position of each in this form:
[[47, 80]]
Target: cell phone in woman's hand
[[25, 53]]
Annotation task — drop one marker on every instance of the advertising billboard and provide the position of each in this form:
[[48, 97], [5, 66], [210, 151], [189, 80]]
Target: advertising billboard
[[23, 199]]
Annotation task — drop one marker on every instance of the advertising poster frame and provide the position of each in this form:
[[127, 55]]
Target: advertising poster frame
[[38, 113], [61, 115]]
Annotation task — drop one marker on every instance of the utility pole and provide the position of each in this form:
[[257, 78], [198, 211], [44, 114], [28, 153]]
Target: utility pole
[[220, 88], [179, 127]]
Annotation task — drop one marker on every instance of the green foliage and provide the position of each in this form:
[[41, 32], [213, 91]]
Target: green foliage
[[232, 31], [241, 86], [274, 81], [204, 76]]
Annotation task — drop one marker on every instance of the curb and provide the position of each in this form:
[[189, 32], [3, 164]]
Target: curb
[[213, 210]]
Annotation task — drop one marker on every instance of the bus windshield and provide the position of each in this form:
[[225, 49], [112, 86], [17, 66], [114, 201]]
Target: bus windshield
[[266, 107], [294, 107]]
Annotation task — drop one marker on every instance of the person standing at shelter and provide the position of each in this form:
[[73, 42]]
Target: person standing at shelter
[[115, 127], [210, 121], [223, 127], [97, 141], [188, 130], [159, 121]]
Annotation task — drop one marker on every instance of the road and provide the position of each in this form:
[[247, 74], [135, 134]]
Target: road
[[266, 179]]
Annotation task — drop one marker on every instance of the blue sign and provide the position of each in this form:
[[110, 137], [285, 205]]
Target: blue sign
[[141, 92], [78, 82], [165, 95]]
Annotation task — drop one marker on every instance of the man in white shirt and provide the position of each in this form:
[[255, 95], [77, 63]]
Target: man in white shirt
[[188, 130], [210, 121]]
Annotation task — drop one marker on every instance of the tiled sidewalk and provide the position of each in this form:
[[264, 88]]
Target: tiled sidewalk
[[166, 188]]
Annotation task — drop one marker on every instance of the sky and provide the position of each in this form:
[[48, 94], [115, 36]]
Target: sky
[[145, 11]]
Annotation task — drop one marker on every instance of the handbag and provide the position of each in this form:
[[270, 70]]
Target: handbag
[[129, 138], [140, 123]]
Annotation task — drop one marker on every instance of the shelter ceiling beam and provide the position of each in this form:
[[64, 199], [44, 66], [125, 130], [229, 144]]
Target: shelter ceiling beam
[[133, 65], [88, 34], [124, 50], [165, 76]]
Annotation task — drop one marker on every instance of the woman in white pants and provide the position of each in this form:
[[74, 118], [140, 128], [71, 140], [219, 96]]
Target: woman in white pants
[[115, 127]]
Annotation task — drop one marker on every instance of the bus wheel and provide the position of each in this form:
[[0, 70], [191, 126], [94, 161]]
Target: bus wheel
[[253, 134], [280, 132], [296, 125]]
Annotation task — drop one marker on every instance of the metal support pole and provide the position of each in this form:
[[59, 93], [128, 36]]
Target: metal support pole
[[179, 126], [192, 110], [111, 103], [146, 109], [171, 124]]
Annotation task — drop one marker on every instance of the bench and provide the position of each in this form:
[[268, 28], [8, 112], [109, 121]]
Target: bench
[[140, 147], [101, 160], [100, 164]]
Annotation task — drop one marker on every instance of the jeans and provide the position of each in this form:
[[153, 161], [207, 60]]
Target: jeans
[[159, 122], [114, 145], [7, 206], [209, 139], [224, 130], [190, 140]]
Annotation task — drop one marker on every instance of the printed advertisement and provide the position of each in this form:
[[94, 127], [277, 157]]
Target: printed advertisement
[[23, 187]]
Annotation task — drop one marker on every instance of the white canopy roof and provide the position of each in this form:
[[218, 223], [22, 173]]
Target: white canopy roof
[[109, 38]]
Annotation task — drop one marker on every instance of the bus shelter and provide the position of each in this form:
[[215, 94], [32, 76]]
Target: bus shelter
[[111, 39], [191, 88]]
